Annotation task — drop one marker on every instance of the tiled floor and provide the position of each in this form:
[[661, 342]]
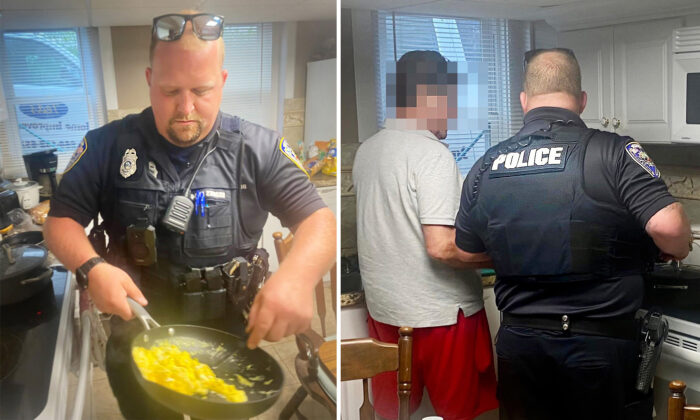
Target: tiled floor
[[106, 408]]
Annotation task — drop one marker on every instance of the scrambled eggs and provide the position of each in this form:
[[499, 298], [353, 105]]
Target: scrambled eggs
[[175, 369]]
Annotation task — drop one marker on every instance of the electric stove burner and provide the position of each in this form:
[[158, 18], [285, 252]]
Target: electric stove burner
[[30, 312], [29, 331], [10, 346]]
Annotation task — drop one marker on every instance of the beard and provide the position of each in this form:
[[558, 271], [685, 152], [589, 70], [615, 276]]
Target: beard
[[184, 136]]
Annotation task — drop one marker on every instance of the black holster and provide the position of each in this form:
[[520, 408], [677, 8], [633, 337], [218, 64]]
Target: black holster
[[244, 278], [98, 239], [654, 329]]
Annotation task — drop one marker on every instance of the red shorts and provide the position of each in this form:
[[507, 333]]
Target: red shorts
[[454, 363]]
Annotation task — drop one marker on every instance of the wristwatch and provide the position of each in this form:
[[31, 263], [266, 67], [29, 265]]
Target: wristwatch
[[81, 274]]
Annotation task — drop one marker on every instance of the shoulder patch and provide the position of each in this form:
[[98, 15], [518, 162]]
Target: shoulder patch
[[287, 150], [79, 152], [637, 153]]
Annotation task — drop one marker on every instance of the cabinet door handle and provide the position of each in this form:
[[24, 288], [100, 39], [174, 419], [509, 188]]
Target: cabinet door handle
[[604, 122], [615, 123]]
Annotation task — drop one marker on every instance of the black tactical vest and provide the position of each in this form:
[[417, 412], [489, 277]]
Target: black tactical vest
[[542, 225], [212, 238]]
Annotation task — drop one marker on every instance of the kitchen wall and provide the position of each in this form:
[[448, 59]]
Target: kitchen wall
[[315, 41], [680, 169], [348, 104], [130, 52], [349, 133]]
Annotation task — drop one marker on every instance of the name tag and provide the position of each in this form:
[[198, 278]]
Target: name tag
[[215, 194], [211, 194], [530, 161]]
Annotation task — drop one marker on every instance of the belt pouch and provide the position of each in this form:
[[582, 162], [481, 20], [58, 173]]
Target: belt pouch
[[192, 306], [215, 303]]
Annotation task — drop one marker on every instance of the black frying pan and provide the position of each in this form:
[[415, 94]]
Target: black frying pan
[[226, 354]]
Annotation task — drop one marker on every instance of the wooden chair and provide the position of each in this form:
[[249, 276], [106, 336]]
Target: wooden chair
[[306, 363], [282, 247], [677, 409], [366, 357]]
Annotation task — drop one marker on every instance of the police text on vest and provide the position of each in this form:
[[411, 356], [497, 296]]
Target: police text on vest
[[535, 157]]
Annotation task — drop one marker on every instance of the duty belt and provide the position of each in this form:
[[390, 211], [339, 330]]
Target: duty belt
[[623, 328], [204, 291]]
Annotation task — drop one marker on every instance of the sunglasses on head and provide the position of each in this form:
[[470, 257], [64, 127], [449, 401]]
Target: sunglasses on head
[[534, 53], [170, 27]]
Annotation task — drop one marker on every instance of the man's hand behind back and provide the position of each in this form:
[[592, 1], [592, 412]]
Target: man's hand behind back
[[109, 286]]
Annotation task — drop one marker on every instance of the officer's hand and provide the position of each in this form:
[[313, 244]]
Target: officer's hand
[[109, 286], [284, 306]]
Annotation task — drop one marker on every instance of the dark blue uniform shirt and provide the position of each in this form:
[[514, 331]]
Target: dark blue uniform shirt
[[611, 176], [99, 179]]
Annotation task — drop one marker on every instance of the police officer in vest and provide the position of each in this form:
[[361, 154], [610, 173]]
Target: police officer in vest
[[571, 217], [184, 191]]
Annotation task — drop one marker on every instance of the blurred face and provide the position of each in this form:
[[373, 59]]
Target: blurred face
[[185, 84], [433, 108]]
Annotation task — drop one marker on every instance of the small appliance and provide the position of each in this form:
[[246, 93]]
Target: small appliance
[[685, 111], [41, 167]]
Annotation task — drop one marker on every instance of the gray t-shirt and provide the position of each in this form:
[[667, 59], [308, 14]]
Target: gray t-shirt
[[405, 179]]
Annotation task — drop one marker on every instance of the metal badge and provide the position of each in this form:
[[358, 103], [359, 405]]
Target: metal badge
[[128, 167], [152, 169]]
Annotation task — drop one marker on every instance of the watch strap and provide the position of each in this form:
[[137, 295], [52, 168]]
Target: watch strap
[[81, 274]]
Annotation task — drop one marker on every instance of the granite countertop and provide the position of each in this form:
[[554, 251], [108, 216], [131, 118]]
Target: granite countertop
[[323, 180]]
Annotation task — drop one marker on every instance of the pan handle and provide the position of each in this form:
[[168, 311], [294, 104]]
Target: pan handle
[[141, 313]]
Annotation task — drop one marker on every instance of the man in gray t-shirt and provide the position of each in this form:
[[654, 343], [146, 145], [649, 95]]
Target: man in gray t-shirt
[[407, 185]]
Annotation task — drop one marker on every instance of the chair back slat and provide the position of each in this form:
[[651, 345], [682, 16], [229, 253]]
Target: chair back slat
[[364, 358], [366, 409]]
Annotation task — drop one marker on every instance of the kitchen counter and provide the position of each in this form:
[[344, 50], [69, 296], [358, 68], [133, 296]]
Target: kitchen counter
[[322, 180]]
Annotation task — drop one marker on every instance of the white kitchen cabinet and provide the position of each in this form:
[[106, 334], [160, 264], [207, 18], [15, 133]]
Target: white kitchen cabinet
[[626, 72]]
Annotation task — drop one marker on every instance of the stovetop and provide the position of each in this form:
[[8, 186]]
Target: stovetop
[[675, 291], [28, 333]]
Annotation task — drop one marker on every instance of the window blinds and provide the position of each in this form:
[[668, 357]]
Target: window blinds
[[498, 43], [248, 91], [52, 83]]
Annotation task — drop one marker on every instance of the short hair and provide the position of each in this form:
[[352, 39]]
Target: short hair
[[420, 68], [552, 71]]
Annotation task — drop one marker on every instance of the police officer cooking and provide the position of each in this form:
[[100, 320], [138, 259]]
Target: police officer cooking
[[184, 191], [571, 217]]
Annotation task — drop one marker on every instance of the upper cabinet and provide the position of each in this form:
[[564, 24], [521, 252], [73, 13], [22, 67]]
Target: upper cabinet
[[626, 72]]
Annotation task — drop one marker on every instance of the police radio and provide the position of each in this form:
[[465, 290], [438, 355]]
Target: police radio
[[177, 216]]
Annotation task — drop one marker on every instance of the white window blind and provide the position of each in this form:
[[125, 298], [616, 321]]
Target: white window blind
[[248, 91], [52, 82], [498, 43]]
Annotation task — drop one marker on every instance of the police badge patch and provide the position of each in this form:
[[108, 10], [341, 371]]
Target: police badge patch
[[128, 167], [79, 152], [637, 153], [287, 150]]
